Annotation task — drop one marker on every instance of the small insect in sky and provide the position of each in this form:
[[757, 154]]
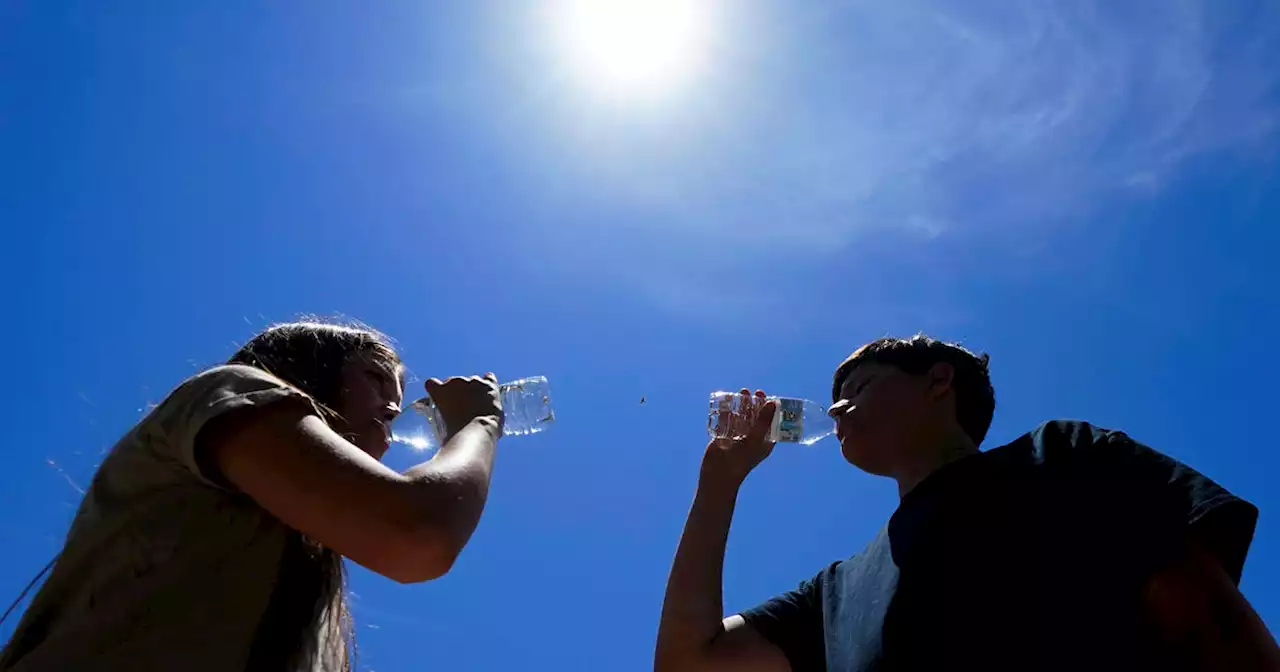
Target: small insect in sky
[[642, 400]]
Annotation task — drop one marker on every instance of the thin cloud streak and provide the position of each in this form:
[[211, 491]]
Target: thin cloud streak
[[919, 120], [912, 114]]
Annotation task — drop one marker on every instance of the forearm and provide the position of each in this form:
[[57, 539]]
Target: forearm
[[692, 610], [1207, 621], [454, 485]]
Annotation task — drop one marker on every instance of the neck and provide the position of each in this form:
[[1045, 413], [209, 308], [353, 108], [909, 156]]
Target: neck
[[918, 464]]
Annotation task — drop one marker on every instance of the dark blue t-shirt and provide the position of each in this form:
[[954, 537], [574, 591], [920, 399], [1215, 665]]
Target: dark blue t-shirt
[[1031, 556]]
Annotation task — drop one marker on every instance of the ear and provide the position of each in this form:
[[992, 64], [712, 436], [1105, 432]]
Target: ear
[[941, 376]]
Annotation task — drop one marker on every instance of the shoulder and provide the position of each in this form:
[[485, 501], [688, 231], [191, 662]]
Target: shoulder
[[170, 432], [1073, 431], [1075, 452], [220, 388], [1151, 501], [1056, 441], [1070, 433], [871, 570], [231, 376]]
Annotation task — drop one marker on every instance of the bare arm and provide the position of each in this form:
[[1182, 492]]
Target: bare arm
[[1202, 614], [409, 527], [693, 635]]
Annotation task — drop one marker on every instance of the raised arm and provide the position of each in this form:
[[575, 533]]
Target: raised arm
[[693, 635], [409, 527]]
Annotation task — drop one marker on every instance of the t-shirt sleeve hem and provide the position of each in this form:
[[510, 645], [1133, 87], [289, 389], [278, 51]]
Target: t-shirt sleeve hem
[[188, 452], [1185, 506], [793, 622], [760, 622], [769, 628], [1224, 526], [207, 396]]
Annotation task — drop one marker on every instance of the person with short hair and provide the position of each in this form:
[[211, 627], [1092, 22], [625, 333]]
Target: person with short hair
[[1072, 548]]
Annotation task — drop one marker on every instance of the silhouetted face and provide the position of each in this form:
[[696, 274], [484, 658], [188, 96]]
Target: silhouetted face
[[371, 399], [880, 412]]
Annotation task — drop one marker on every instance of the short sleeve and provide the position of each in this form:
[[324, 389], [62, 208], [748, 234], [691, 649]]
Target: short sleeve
[[1156, 505], [172, 427], [792, 622], [1200, 509]]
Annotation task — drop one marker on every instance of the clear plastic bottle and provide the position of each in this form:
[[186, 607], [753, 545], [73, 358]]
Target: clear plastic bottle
[[526, 407], [797, 420]]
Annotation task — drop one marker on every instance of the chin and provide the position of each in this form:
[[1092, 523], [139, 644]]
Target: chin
[[862, 458], [851, 454], [374, 446]]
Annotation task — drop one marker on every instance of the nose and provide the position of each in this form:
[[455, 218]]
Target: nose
[[839, 412], [388, 416]]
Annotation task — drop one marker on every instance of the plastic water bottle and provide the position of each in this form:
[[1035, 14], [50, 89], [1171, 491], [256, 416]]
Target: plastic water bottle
[[526, 407], [796, 420]]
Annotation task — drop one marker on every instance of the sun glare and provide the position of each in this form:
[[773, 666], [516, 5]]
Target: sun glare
[[634, 48]]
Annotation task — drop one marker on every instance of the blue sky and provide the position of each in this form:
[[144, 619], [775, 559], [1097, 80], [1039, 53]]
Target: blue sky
[[1086, 190]]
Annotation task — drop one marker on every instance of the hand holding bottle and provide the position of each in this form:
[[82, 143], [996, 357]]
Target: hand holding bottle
[[744, 439], [461, 400], [525, 408]]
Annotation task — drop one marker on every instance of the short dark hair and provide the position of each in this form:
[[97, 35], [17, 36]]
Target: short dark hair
[[975, 397]]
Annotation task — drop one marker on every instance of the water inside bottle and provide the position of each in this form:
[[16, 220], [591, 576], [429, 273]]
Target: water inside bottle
[[796, 420], [413, 427], [726, 407], [526, 406]]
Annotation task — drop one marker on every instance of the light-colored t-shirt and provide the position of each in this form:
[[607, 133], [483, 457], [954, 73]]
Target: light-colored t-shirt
[[164, 568]]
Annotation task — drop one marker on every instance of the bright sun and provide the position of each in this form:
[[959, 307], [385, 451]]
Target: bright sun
[[634, 48]]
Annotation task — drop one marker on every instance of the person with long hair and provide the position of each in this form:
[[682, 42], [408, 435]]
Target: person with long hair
[[213, 535]]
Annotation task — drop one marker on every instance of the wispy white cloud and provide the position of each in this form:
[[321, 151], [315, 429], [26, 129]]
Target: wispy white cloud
[[928, 115], [823, 122]]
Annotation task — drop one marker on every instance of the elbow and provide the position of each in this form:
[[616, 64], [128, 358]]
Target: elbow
[[426, 540], [420, 573], [424, 548], [437, 555], [665, 659], [670, 664], [420, 558]]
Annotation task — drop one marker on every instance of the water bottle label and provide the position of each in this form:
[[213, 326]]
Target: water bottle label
[[790, 422]]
